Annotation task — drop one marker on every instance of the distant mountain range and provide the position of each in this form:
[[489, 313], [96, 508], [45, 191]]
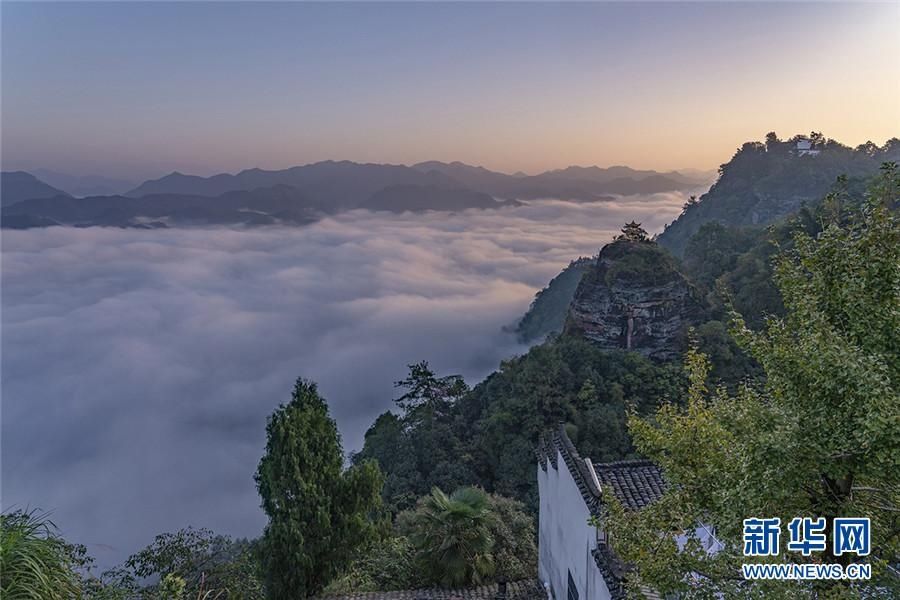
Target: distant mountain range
[[346, 183], [16, 186], [84, 185], [571, 183], [300, 194], [264, 206]]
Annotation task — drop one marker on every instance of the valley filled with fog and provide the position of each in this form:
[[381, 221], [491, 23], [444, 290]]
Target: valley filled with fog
[[139, 366]]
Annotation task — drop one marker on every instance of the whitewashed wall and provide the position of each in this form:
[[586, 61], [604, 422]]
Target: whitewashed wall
[[565, 539]]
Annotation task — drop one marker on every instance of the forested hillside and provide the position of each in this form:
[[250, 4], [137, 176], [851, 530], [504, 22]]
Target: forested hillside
[[486, 436], [547, 313], [766, 181], [480, 436]]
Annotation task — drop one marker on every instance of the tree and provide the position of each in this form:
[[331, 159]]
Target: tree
[[452, 537], [172, 587], [691, 202], [633, 232], [817, 139], [318, 512], [821, 439], [426, 394], [512, 529], [202, 561]]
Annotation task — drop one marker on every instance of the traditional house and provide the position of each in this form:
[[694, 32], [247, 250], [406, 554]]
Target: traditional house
[[575, 561]]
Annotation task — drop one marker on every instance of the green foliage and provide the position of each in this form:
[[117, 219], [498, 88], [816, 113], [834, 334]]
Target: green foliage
[[736, 266], [715, 249], [318, 512], [205, 564], [420, 449], [387, 563], [822, 438], [645, 262], [426, 394], [633, 232], [569, 380], [452, 537], [513, 531], [482, 437], [764, 183], [392, 562], [35, 562], [547, 313], [730, 364], [171, 587]]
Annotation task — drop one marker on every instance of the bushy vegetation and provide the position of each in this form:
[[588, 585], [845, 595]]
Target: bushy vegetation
[[464, 538], [647, 263], [486, 436], [386, 563], [765, 182], [820, 438], [189, 563]]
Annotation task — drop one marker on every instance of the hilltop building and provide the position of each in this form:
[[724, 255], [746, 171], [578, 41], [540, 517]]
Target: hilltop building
[[805, 147], [575, 561]]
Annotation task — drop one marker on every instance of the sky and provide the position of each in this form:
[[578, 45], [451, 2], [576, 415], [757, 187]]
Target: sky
[[139, 366], [136, 90]]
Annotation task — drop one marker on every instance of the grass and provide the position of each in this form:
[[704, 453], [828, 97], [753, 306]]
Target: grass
[[35, 562]]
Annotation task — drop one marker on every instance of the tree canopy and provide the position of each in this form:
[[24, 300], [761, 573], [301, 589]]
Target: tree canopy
[[821, 438], [318, 512], [633, 232]]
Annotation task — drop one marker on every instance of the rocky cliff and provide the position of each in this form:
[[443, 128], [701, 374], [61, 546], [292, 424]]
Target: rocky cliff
[[634, 298]]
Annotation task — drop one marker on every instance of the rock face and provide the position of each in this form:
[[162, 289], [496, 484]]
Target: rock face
[[634, 298]]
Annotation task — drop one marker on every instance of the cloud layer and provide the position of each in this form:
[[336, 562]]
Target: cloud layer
[[139, 366]]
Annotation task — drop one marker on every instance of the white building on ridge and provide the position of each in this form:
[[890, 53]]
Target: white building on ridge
[[805, 147]]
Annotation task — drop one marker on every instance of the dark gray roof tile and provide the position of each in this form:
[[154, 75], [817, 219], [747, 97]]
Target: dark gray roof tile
[[635, 483], [526, 589]]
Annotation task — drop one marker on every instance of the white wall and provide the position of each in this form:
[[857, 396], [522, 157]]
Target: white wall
[[565, 539], [705, 534]]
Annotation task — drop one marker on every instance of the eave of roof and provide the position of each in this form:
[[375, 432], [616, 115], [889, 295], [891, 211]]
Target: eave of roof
[[525, 589], [634, 483]]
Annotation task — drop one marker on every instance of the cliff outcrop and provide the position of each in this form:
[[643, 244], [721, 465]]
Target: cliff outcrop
[[634, 298]]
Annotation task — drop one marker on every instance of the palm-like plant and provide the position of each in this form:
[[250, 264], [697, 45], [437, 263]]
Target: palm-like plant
[[452, 537], [35, 562]]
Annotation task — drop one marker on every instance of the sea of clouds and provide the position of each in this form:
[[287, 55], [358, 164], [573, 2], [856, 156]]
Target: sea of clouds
[[139, 366]]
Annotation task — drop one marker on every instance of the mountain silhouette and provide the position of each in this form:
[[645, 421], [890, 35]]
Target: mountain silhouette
[[16, 186]]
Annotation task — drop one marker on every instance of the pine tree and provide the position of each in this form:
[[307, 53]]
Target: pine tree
[[633, 232], [318, 512]]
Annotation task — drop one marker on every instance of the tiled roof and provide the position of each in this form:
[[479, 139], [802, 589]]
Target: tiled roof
[[526, 589], [636, 483], [557, 444]]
